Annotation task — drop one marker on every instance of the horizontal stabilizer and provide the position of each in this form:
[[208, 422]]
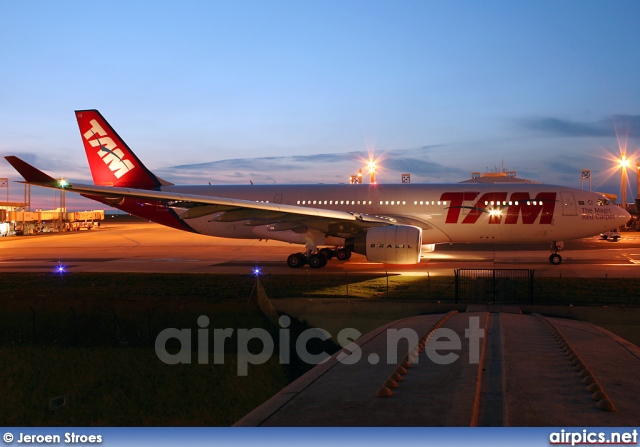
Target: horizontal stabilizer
[[30, 174]]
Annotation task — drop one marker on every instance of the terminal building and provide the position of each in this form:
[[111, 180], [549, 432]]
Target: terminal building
[[16, 220], [501, 176]]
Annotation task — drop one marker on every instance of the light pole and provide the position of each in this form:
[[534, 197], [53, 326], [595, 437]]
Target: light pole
[[624, 164], [372, 171], [637, 180]]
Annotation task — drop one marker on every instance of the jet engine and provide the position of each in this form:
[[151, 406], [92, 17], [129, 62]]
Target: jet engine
[[392, 244]]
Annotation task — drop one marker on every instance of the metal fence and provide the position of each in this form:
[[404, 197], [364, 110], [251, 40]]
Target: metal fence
[[494, 286]]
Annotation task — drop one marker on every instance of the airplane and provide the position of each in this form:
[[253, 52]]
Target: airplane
[[388, 223]]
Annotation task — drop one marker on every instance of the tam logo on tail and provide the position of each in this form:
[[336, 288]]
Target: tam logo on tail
[[109, 152], [116, 164]]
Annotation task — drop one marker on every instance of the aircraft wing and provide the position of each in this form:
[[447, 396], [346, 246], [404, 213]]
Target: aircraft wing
[[201, 205]]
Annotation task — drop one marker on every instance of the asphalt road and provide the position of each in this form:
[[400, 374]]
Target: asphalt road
[[148, 247]]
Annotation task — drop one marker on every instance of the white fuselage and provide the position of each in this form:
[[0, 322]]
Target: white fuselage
[[460, 213]]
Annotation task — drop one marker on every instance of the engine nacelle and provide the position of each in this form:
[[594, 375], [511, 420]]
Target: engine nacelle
[[393, 244], [428, 248]]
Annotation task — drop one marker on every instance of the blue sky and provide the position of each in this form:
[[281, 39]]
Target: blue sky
[[206, 90]]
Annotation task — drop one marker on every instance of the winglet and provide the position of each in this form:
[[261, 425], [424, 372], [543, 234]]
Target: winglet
[[30, 174]]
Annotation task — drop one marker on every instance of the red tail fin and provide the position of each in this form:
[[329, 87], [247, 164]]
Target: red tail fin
[[110, 159]]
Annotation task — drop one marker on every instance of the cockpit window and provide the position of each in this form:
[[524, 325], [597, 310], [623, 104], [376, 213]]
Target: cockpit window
[[603, 202]]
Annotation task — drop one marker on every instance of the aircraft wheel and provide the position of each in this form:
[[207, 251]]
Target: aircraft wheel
[[296, 260], [317, 261], [327, 253], [555, 259], [343, 254]]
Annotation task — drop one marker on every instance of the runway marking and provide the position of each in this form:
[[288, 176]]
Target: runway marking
[[633, 261], [62, 259], [31, 268]]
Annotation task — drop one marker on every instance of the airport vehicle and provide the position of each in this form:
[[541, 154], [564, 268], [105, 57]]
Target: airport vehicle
[[391, 224]]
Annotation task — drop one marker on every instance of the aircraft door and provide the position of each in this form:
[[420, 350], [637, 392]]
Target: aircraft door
[[277, 198], [568, 204]]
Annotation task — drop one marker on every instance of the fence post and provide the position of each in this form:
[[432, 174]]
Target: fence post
[[387, 273], [33, 325], [74, 327], [531, 299], [346, 275], [457, 286], [149, 336]]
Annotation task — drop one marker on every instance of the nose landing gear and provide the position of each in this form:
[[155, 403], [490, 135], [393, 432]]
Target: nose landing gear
[[555, 258]]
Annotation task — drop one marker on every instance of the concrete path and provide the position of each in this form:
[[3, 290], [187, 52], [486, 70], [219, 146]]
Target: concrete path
[[521, 370]]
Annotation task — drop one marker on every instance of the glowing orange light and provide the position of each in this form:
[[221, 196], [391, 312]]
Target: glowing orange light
[[624, 162], [373, 166]]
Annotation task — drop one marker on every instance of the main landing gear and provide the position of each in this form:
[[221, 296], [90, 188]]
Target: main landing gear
[[555, 258], [319, 258]]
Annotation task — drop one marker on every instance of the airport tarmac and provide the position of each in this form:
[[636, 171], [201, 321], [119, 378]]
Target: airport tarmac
[[148, 247]]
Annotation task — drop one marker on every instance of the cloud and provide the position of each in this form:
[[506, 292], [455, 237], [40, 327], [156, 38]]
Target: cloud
[[422, 167], [628, 125], [314, 168]]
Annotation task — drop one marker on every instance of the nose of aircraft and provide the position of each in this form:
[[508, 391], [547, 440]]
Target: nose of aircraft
[[622, 216]]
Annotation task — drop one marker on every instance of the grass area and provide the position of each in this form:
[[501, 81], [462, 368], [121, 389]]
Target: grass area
[[109, 386], [361, 286], [91, 336], [107, 309], [189, 293], [587, 291]]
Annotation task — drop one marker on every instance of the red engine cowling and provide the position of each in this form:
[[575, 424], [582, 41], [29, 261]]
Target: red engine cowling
[[393, 244]]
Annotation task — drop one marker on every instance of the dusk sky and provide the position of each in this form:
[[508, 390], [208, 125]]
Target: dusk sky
[[297, 91]]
